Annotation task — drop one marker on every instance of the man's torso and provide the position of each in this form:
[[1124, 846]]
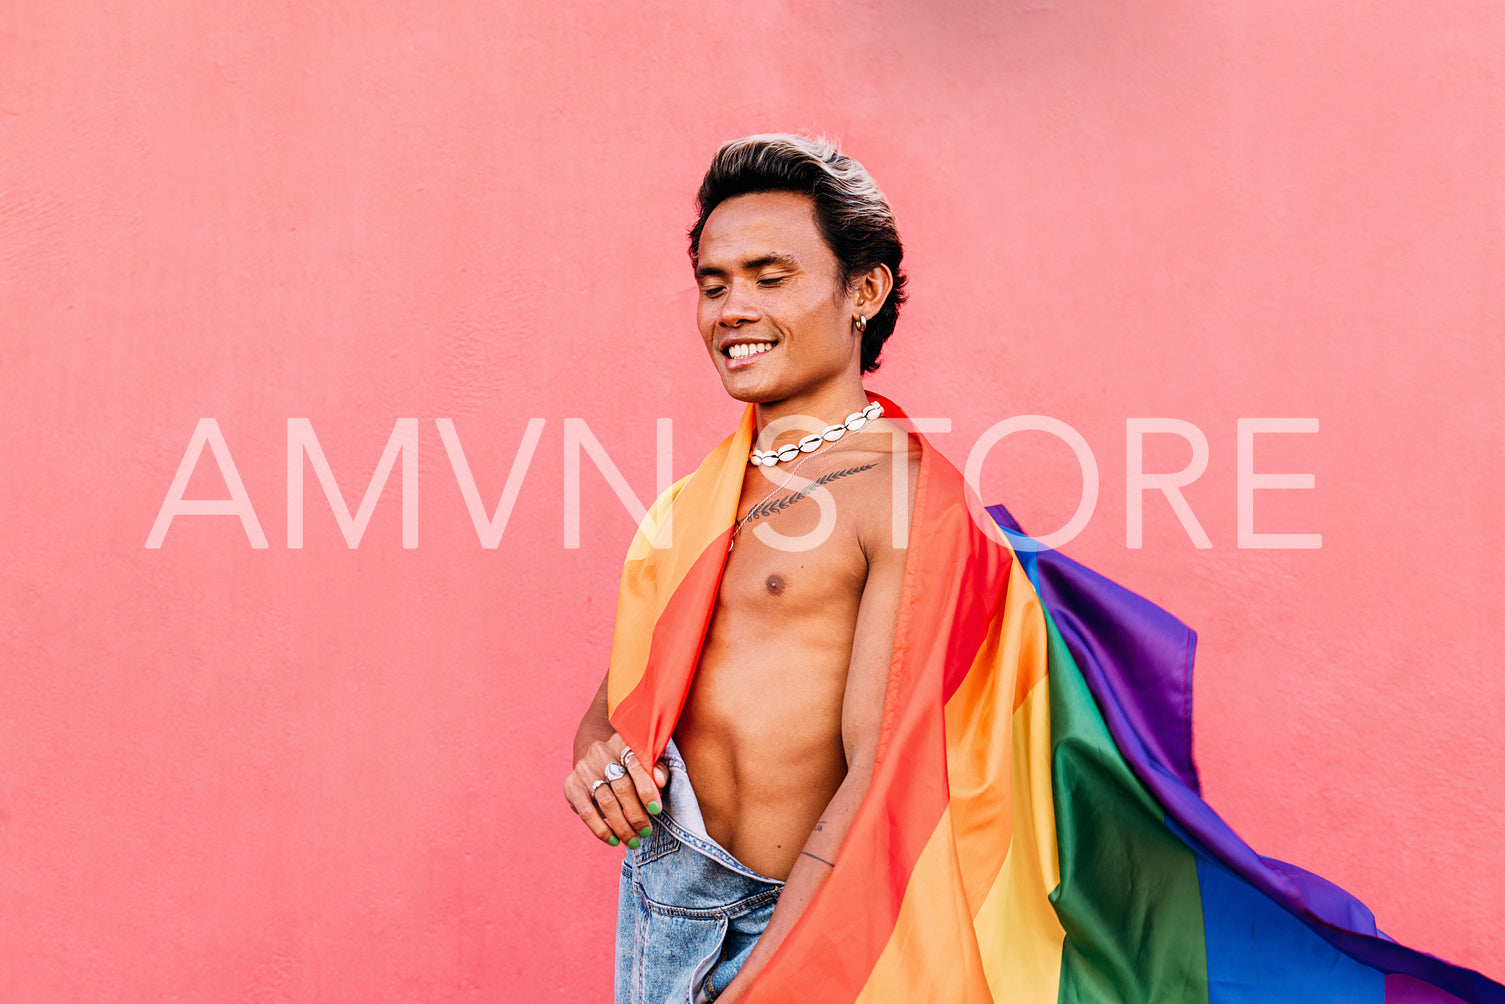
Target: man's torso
[[761, 730]]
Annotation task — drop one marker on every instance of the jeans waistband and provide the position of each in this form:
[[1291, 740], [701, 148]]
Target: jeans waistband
[[682, 817]]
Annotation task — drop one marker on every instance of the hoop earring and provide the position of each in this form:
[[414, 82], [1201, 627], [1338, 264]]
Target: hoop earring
[[861, 323]]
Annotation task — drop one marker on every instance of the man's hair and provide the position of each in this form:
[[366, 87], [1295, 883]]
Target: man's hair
[[853, 216]]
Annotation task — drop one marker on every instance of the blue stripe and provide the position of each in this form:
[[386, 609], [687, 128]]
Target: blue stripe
[[1257, 953]]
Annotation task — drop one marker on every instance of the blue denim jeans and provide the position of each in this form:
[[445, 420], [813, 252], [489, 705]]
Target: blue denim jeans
[[688, 913]]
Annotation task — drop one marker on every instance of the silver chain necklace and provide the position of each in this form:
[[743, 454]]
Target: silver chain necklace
[[737, 528]]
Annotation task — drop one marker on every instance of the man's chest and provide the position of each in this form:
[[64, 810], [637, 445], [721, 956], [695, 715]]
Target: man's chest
[[794, 552]]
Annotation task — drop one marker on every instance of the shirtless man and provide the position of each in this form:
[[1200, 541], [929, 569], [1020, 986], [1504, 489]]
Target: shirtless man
[[779, 731]]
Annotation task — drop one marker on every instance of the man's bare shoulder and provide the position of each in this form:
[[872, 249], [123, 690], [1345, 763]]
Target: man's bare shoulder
[[883, 498]]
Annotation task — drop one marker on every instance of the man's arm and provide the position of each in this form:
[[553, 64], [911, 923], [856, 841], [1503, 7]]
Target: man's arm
[[594, 725], [861, 717]]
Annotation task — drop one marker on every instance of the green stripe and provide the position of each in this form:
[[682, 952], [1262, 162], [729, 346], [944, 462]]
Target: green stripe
[[1129, 899]]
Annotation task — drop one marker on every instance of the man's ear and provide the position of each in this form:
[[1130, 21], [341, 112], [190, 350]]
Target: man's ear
[[872, 290]]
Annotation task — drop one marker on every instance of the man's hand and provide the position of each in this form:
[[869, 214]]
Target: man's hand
[[618, 810]]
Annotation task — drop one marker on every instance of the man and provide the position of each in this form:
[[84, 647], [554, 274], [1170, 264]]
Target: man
[[780, 726], [899, 755]]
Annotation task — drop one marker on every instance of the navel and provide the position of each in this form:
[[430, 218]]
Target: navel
[[775, 584]]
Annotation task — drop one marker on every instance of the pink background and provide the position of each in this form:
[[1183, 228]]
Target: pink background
[[327, 774]]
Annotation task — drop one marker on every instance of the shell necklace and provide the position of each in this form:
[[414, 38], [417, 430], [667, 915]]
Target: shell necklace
[[804, 449], [813, 442]]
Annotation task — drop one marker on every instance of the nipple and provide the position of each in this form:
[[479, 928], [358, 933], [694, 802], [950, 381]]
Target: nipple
[[775, 584]]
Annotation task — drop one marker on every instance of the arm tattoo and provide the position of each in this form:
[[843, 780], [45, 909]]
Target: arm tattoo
[[821, 860], [775, 506]]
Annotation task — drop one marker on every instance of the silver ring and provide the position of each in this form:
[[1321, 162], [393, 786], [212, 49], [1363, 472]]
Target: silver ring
[[594, 785], [626, 752], [614, 771]]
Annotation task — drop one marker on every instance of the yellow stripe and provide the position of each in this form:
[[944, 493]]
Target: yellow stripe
[[655, 523], [1017, 927]]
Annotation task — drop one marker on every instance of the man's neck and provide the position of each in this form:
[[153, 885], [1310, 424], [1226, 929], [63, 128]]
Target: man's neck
[[818, 410]]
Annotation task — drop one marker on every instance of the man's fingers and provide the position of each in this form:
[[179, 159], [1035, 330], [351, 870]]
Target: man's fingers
[[647, 791], [597, 825], [621, 809], [633, 809], [606, 800], [586, 809]]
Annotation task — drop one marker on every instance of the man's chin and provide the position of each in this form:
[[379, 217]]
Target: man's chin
[[749, 392], [747, 397]]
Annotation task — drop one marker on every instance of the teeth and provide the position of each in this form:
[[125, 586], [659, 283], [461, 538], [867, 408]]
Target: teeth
[[743, 351]]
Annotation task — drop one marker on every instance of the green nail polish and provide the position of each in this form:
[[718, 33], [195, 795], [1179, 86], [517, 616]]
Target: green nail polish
[[633, 843], [613, 840], [645, 831], [654, 808]]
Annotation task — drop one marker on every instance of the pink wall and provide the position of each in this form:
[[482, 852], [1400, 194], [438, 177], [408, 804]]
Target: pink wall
[[242, 774]]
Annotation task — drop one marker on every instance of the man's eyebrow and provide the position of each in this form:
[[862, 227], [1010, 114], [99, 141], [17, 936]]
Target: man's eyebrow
[[771, 258]]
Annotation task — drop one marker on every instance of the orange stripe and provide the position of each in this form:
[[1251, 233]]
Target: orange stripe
[[979, 734], [975, 922], [940, 952], [932, 957]]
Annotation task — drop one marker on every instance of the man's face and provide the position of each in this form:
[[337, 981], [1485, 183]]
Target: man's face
[[774, 315]]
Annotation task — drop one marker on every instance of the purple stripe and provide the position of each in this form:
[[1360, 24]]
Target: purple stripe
[[1406, 990]]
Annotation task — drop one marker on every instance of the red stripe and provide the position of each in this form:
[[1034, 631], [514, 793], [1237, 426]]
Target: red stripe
[[647, 714], [968, 567]]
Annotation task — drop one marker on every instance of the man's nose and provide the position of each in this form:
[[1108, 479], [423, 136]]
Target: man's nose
[[739, 305]]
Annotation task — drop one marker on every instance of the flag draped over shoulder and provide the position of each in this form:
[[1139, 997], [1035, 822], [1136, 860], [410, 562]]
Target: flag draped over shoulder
[[1034, 829]]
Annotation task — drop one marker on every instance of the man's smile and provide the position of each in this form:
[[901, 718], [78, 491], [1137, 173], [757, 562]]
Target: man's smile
[[739, 354]]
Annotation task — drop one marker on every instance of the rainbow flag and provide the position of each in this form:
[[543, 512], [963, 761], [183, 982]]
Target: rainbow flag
[[1034, 830]]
